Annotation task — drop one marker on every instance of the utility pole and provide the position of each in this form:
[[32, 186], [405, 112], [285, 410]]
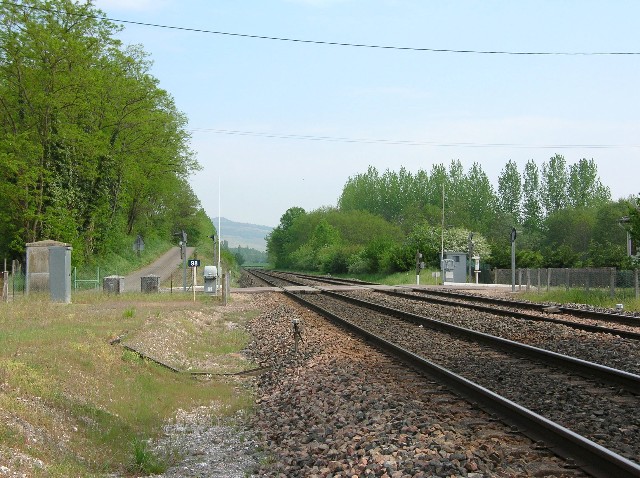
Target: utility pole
[[470, 256], [442, 239]]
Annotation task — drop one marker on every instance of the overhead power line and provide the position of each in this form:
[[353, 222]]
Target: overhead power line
[[373, 46], [340, 44], [468, 144]]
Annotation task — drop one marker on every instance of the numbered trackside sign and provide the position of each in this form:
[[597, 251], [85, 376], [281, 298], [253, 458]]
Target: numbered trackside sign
[[194, 262]]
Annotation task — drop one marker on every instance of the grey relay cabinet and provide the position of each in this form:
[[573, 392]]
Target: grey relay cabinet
[[454, 267]]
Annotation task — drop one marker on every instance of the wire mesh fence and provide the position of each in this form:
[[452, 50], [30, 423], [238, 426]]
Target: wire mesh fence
[[603, 278], [12, 280], [172, 277], [169, 273]]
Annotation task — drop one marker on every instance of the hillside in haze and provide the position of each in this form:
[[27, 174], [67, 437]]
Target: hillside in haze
[[242, 234]]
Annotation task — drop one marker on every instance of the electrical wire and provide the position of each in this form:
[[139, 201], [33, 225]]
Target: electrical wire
[[336, 43], [339, 139]]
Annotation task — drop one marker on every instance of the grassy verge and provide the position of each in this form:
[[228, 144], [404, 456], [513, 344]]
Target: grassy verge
[[595, 297], [397, 278], [75, 405], [400, 278], [598, 298]]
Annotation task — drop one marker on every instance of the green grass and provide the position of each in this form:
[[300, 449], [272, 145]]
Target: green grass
[[60, 375], [398, 278], [401, 278], [145, 461], [597, 297]]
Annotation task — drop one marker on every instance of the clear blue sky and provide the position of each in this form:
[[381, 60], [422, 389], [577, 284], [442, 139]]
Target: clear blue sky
[[501, 107]]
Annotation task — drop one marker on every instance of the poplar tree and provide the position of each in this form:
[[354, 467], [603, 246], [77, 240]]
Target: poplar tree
[[510, 192], [585, 188], [555, 184], [532, 208]]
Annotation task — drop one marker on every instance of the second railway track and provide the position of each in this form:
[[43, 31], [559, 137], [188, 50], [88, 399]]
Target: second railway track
[[606, 414]]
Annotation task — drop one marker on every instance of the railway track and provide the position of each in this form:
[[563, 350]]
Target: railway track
[[593, 420], [622, 325]]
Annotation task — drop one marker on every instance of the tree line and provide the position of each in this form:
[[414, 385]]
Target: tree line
[[563, 214], [93, 151]]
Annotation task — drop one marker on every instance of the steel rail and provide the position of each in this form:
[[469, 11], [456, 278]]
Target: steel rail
[[587, 314], [589, 456], [269, 278], [332, 280], [629, 381], [498, 311], [511, 313]]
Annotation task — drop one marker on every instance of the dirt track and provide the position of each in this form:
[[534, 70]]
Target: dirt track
[[162, 267]]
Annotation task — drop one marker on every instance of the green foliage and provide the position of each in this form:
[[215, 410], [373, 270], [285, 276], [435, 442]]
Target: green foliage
[[585, 189], [93, 151], [248, 255], [335, 259], [510, 192], [145, 461], [529, 259], [427, 239], [558, 210], [532, 213], [634, 221], [282, 240], [569, 233], [555, 183], [326, 239]]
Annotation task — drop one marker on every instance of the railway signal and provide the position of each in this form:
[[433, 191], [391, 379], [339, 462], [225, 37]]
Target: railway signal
[[419, 265]]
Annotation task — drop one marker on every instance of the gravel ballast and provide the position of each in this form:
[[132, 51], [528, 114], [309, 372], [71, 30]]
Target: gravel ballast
[[340, 408]]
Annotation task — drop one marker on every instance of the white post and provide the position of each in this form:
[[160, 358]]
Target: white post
[[194, 269], [219, 271], [442, 238]]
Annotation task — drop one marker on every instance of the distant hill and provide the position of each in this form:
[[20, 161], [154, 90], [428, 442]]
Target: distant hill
[[242, 234]]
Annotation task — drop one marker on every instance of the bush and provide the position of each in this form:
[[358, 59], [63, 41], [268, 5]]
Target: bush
[[359, 264], [336, 259], [304, 258]]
